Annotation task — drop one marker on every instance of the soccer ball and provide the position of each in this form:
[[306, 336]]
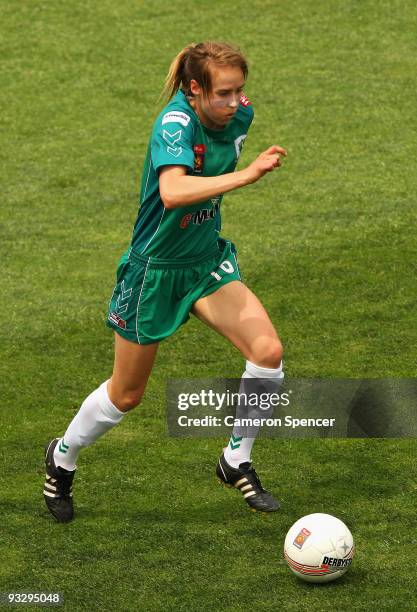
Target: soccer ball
[[319, 548]]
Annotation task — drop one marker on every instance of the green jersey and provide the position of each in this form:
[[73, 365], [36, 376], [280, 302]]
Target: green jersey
[[179, 139]]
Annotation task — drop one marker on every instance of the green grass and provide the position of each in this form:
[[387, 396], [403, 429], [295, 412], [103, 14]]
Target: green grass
[[328, 243]]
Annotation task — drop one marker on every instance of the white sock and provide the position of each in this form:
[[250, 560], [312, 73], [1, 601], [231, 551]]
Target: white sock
[[96, 416], [240, 447]]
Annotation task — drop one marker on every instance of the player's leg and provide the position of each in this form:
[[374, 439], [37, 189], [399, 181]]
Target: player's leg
[[237, 314], [133, 364], [106, 406], [101, 410]]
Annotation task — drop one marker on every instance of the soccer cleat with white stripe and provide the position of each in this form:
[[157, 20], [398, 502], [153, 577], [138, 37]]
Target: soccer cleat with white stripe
[[247, 481], [57, 491]]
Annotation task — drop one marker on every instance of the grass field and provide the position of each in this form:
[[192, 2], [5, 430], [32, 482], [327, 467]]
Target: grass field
[[328, 243]]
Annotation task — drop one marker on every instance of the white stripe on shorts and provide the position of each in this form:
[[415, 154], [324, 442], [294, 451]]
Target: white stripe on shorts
[[140, 295]]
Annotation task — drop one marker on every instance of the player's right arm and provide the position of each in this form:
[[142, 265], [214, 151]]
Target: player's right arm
[[179, 189]]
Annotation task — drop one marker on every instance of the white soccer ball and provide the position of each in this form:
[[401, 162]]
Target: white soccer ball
[[319, 548]]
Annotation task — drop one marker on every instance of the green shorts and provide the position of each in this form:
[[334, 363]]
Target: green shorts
[[153, 297]]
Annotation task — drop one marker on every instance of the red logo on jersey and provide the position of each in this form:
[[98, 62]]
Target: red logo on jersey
[[199, 153], [244, 100], [185, 220]]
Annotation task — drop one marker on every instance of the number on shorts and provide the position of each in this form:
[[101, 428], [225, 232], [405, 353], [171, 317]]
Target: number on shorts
[[226, 266]]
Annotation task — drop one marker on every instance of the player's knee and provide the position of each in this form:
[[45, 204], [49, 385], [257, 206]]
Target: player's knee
[[273, 356], [269, 354], [128, 400]]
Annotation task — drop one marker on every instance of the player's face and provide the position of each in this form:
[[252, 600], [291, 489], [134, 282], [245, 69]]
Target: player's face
[[218, 107]]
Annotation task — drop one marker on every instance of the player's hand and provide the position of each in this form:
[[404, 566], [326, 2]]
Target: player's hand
[[265, 162]]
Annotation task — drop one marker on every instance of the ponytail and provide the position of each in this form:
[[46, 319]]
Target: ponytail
[[175, 74]]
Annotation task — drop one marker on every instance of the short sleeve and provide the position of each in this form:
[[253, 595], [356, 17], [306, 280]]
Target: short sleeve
[[172, 141]]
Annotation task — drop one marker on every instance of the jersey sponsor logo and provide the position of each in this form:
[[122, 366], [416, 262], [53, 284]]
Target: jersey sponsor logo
[[245, 101], [171, 140], [199, 153], [185, 220], [176, 117], [239, 144], [200, 216]]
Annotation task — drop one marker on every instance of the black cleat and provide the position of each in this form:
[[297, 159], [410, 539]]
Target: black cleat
[[57, 490], [247, 481]]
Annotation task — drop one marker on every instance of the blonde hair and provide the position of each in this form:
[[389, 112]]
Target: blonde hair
[[193, 63]]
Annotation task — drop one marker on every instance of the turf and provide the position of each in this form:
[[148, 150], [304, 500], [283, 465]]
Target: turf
[[328, 243]]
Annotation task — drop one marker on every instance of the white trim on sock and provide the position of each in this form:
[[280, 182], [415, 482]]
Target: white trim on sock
[[255, 371]]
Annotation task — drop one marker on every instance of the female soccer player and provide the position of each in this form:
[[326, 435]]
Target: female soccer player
[[177, 263]]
